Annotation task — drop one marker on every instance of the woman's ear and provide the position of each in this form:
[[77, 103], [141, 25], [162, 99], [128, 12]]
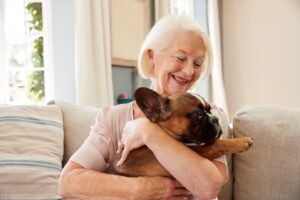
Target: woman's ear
[[151, 58]]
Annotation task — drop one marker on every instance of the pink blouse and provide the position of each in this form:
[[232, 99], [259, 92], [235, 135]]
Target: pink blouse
[[101, 145]]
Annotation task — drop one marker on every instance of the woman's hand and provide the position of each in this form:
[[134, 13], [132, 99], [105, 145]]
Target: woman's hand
[[134, 134], [159, 188], [141, 188]]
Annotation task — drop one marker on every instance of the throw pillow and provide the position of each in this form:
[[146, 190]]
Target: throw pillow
[[31, 151]]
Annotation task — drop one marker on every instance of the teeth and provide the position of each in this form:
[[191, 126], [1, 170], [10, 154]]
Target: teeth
[[180, 79]]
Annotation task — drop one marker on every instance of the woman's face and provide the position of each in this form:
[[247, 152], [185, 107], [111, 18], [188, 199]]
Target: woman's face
[[177, 67]]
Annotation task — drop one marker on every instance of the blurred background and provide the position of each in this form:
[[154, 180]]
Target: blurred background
[[85, 51]]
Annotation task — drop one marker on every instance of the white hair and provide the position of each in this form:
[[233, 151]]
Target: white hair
[[161, 35]]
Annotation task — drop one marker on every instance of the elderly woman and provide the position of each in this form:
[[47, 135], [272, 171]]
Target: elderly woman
[[174, 55]]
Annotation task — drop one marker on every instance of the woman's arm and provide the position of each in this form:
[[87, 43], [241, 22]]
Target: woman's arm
[[80, 183], [202, 177], [199, 175], [76, 182]]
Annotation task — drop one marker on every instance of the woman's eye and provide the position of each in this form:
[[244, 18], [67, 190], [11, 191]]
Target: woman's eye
[[198, 64], [181, 59]]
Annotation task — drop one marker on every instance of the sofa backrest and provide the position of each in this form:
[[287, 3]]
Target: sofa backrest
[[77, 121]]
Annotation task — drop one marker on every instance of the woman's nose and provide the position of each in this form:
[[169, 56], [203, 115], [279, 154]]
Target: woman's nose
[[188, 68]]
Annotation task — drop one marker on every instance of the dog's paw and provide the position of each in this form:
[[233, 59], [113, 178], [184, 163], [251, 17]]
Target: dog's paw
[[243, 144], [246, 143]]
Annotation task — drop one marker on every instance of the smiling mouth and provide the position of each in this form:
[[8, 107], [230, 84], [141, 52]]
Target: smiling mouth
[[180, 81]]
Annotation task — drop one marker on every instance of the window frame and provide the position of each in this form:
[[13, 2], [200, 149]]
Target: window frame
[[25, 68]]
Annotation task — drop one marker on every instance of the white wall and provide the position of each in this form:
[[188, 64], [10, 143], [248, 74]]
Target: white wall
[[261, 49]]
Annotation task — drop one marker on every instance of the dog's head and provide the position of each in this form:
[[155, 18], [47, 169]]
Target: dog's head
[[184, 116]]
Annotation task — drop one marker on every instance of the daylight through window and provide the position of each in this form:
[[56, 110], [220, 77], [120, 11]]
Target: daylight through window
[[24, 51]]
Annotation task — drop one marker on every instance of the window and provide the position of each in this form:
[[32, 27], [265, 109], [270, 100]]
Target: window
[[24, 59], [182, 7]]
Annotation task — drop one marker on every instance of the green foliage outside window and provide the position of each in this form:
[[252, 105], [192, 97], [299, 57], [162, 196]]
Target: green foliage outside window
[[36, 85], [37, 56], [35, 11], [36, 78]]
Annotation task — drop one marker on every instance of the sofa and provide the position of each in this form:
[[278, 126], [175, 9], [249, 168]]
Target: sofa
[[36, 142]]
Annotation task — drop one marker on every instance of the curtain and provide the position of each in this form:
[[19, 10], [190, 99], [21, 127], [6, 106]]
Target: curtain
[[161, 8], [3, 72], [217, 86], [93, 53]]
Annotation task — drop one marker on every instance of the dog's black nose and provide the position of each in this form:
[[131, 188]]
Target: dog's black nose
[[214, 120]]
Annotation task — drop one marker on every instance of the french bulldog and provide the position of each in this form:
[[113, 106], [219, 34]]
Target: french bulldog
[[187, 118]]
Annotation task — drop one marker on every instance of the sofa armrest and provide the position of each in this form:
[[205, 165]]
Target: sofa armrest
[[270, 169]]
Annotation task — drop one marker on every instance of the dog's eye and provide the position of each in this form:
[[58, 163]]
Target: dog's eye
[[208, 108], [197, 115]]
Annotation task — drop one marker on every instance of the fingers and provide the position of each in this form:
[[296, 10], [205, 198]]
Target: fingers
[[120, 147], [179, 198], [123, 157], [162, 188], [182, 192], [178, 191], [177, 184]]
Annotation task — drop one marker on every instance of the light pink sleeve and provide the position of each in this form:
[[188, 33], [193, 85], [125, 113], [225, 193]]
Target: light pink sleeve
[[222, 159], [95, 152], [224, 122]]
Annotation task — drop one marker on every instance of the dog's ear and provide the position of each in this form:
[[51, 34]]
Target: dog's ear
[[155, 107]]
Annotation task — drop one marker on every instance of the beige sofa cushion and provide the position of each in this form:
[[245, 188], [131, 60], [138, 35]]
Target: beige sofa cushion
[[271, 168], [31, 151], [77, 122]]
